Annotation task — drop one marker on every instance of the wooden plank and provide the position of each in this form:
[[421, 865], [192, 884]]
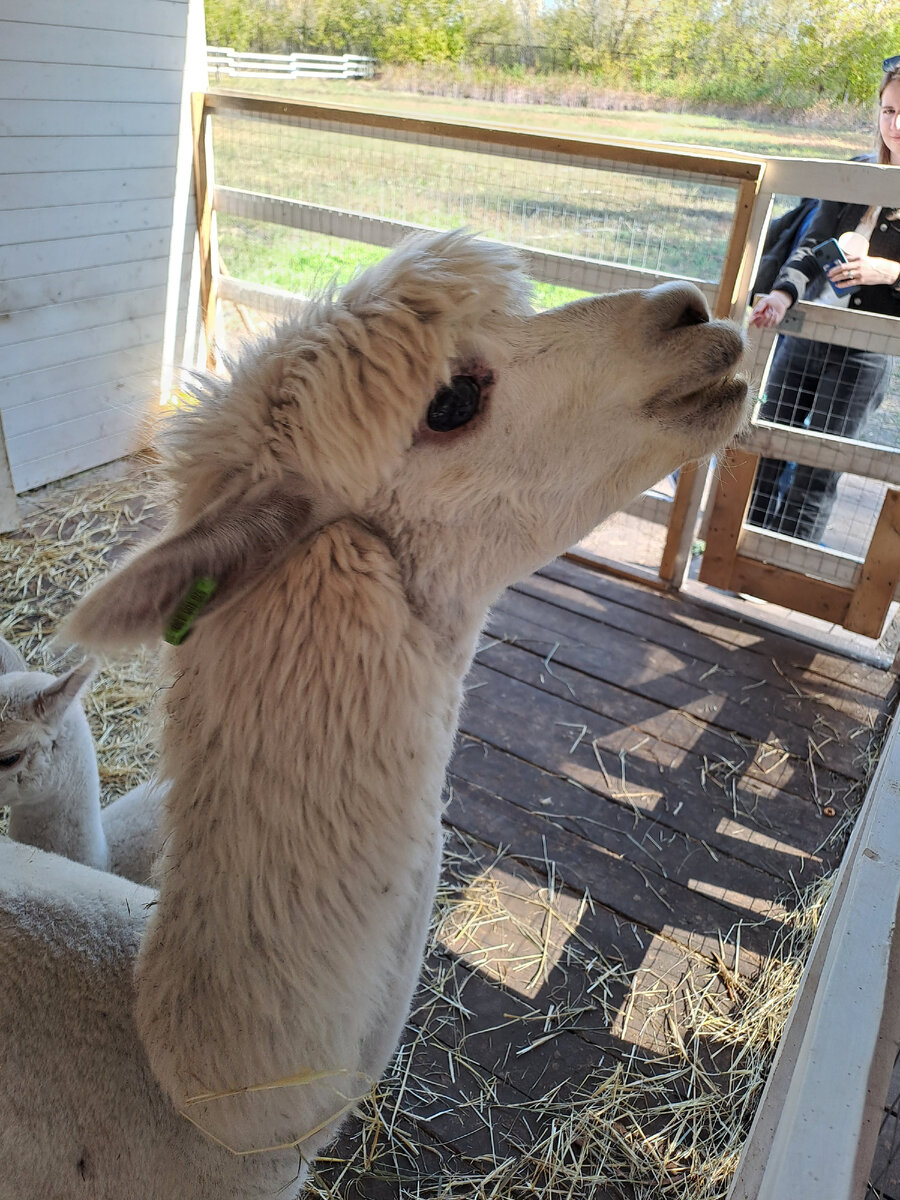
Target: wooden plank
[[791, 589], [9, 509], [69, 348], [55, 320], [65, 288], [814, 1131], [671, 862], [92, 371], [794, 554], [569, 270], [853, 685], [863, 183], [660, 781], [37, 190], [500, 1012], [73, 459], [580, 671], [731, 499], [108, 218], [167, 17], [737, 249], [880, 574], [676, 555], [27, 155], [62, 81], [70, 254], [755, 657], [116, 414], [73, 46], [697, 921], [725, 168], [562, 269], [41, 415], [59, 118], [824, 450], [204, 185]]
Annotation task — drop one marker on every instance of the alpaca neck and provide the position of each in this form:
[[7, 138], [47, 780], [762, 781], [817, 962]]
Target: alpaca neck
[[302, 856]]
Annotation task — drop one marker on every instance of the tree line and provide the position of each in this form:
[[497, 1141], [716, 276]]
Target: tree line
[[793, 53]]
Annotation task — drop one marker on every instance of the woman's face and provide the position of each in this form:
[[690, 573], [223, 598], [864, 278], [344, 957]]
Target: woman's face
[[889, 119]]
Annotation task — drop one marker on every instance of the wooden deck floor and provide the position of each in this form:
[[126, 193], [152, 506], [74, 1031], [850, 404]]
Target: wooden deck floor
[[641, 790]]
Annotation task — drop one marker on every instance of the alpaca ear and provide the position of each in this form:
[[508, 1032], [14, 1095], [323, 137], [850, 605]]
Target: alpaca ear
[[10, 658], [51, 704], [164, 588]]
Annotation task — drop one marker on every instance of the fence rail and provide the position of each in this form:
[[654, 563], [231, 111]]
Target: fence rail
[[223, 62]]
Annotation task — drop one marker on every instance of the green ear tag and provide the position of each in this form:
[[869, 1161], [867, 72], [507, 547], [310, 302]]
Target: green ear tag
[[189, 609]]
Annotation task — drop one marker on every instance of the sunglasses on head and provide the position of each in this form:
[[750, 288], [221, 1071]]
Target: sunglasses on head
[[890, 64]]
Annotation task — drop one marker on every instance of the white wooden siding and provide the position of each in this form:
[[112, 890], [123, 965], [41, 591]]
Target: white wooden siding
[[92, 107]]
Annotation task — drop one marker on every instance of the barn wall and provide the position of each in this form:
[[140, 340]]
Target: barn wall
[[92, 206]]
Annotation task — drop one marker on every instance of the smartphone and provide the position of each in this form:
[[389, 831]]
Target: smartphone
[[826, 255]]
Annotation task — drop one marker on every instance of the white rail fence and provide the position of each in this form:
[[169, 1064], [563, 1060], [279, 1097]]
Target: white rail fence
[[223, 62]]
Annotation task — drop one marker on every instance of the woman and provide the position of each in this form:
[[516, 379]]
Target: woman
[[830, 389]]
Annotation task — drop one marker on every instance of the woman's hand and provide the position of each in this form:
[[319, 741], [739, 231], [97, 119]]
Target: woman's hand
[[769, 310], [861, 270]]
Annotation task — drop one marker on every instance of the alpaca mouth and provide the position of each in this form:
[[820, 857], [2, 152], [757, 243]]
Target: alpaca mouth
[[723, 397], [706, 407]]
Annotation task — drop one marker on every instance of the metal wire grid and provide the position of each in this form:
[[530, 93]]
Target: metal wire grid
[[647, 221]]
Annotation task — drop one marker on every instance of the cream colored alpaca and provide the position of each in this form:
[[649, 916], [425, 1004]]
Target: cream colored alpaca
[[362, 488], [49, 779]]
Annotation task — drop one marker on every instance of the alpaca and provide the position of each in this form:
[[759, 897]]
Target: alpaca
[[347, 506], [49, 779]]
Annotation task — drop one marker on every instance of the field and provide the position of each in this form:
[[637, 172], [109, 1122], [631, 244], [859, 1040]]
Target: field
[[688, 129]]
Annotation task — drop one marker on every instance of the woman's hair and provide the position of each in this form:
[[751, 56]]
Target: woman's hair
[[881, 150]]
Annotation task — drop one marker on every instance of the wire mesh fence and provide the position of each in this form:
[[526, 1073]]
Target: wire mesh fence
[[657, 224]]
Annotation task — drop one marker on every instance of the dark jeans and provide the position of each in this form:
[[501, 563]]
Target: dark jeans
[[828, 389]]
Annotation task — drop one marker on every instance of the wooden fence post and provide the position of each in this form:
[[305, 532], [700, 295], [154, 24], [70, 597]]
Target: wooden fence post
[[203, 185]]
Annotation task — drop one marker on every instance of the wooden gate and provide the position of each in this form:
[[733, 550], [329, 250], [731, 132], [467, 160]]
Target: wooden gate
[[846, 589]]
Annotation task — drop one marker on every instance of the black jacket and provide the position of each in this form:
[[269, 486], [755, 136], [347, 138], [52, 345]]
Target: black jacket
[[781, 237], [801, 272]]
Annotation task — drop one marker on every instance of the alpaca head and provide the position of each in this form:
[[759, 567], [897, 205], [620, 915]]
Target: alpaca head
[[428, 401], [41, 723]]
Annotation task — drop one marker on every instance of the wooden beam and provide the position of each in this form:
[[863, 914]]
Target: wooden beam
[[738, 241], [815, 1128], [676, 555], [790, 589], [203, 193], [9, 508], [730, 502], [880, 572], [727, 167]]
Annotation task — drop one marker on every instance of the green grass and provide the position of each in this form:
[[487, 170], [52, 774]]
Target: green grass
[[307, 263], [687, 129]]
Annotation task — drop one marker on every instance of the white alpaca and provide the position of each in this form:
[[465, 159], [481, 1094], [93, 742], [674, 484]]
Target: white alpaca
[[49, 778], [360, 491]]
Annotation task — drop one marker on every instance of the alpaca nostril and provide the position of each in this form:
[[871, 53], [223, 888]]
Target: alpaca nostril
[[692, 314]]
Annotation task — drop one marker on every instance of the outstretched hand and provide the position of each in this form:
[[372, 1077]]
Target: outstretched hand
[[861, 270], [769, 310]]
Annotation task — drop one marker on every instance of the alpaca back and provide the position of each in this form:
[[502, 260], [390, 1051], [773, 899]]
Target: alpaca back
[[70, 1059]]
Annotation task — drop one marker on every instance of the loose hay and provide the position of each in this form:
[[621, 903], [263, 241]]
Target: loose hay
[[446, 1123], [69, 538]]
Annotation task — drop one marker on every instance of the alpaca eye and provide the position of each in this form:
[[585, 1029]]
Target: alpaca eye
[[10, 760], [454, 405]]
